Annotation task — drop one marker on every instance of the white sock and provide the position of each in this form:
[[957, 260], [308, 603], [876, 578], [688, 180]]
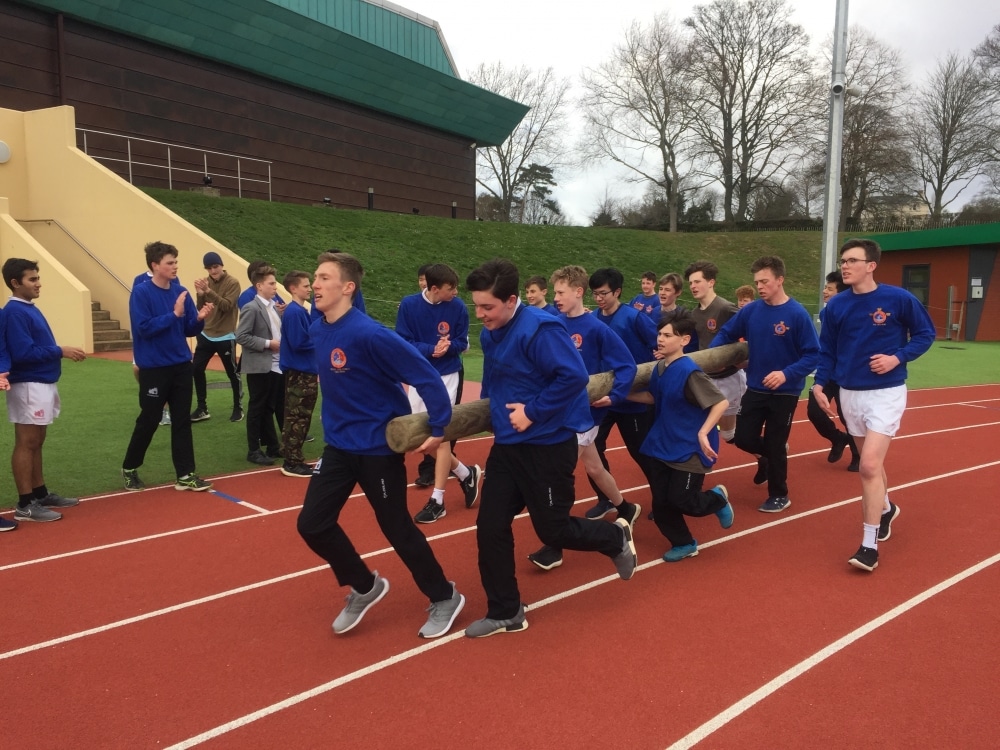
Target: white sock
[[871, 536], [438, 496], [886, 505], [727, 435], [461, 471]]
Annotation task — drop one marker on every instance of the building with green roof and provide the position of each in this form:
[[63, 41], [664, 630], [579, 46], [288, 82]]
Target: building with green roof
[[353, 103]]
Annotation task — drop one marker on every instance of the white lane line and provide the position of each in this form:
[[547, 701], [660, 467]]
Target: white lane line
[[768, 689]]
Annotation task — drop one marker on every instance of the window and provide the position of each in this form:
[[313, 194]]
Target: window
[[917, 281]]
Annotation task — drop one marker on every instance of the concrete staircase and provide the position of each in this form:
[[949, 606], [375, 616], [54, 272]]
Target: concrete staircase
[[109, 336]]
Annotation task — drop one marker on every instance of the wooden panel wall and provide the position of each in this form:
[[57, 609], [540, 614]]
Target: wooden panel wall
[[319, 147]]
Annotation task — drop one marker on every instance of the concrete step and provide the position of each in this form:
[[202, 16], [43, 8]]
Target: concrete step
[[111, 346], [115, 335]]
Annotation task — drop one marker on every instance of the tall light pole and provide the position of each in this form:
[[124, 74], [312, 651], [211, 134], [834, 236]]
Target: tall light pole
[[835, 143]]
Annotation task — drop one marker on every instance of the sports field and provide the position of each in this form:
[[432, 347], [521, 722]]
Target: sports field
[[177, 619]]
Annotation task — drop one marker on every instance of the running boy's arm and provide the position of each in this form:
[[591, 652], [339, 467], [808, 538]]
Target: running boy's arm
[[554, 355], [616, 357]]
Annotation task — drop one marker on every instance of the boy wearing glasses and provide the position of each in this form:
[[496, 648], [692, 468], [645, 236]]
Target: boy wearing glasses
[[869, 334]]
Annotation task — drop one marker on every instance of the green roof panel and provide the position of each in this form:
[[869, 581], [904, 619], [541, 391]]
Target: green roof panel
[[976, 234]]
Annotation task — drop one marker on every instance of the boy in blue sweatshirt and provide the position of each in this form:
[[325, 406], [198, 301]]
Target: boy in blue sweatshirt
[[638, 331], [33, 398], [602, 350], [869, 334], [648, 302], [297, 360], [362, 365], [683, 443], [5, 525], [536, 383], [163, 317], [783, 351], [436, 323]]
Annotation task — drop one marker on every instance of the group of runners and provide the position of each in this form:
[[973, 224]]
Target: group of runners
[[538, 359]]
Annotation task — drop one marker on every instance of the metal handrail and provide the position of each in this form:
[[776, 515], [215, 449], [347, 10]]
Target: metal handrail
[[170, 168], [83, 247]]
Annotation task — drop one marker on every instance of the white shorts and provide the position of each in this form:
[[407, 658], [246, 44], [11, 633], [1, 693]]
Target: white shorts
[[879, 410], [33, 403], [417, 404], [733, 388], [584, 439]]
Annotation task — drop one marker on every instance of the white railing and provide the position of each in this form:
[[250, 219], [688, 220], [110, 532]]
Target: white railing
[[205, 174]]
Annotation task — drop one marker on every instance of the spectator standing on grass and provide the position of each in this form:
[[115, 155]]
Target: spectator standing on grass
[[710, 314], [869, 334], [32, 398], [602, 350], [536, 383], [218, 336], [648, 302], [5, 525], [436, 323], [361, 365], [163, 317], [633, 420], [683, 443], [259, 334], [142, 278], [297, 360], [826, 427], [783, 351]]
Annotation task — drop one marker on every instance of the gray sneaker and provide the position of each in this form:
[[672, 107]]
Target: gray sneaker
[[442, 615], [52, 500], [625, 561], [359, 604], [488, 626], [36, 512]]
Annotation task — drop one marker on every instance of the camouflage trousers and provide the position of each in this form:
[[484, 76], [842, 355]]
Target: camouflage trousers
[[301, 389]]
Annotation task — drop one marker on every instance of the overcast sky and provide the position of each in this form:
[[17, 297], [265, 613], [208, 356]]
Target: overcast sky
[[570, 35]]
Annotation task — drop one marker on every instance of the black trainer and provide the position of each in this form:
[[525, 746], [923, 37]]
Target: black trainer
[[200, 415], [838, 447], [761, 476], [237, 415], [424, 480], [258, 457], [470, 485], [600, 509], [855, 464], [430, 512], [865, 558], [547, 557], [885, 523]]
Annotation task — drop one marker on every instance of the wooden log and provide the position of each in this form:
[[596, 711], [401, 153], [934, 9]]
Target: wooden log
[[407, 433]]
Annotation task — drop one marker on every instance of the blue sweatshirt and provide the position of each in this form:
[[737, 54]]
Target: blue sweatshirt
[[532, 361], [602, 350], [297, 351], [361, 366], [639, 334], [781, 337], [159, 338], [423, 323], [4, 356], [647, 305], [34, 355], [673, 438], [887, 320]]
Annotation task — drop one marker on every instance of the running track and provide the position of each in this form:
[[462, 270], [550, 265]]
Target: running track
[[176, 619]]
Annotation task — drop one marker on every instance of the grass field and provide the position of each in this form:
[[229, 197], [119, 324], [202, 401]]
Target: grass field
[[85, 445]]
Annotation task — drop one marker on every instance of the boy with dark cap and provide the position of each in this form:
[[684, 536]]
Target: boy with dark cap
[[218, 336]]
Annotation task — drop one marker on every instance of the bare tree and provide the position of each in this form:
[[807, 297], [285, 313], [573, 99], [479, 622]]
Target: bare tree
[[538, 139], [988, 56], [751, 67], [876, 157], [950, 130], [638, 110]]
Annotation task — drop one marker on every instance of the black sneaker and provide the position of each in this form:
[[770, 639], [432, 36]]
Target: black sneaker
[[296, 470], [547, 557], [865, 558], [431, 512], [237, 415], [424, 480], [600, 509], [52, 500], [630, 516], [259, 458], [132, 481], [470, 485], [761, 476], [840, 444], [855, 464], [885, 523], [200, 415]]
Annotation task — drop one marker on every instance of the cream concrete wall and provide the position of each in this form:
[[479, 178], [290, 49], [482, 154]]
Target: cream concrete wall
[[48, 178]]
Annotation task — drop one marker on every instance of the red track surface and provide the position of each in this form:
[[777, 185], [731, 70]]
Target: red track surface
[[152, 619]]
